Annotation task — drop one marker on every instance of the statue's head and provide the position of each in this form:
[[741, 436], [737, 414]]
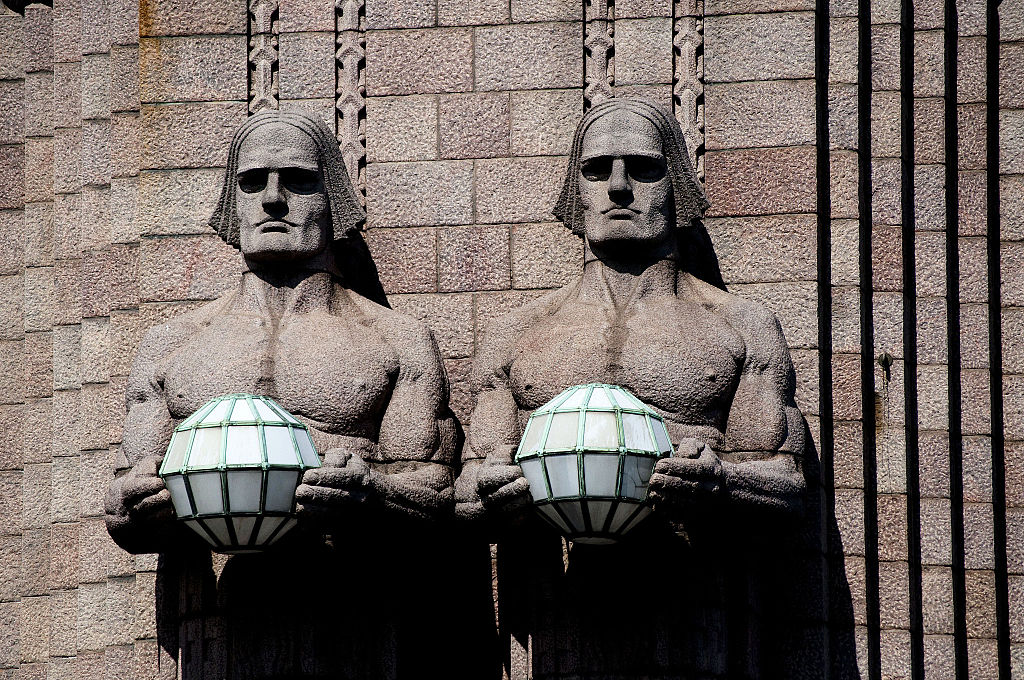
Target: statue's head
[[287, 195], [630, 182]]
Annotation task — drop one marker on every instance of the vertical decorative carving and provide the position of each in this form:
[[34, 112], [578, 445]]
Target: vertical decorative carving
[[350, 88], [598, 51], [263, 55], [688, 79]]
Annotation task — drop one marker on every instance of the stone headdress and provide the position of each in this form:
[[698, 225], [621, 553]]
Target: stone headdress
[[357, 269]]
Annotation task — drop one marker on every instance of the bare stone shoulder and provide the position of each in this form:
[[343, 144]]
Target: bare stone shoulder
[[757, 325], [411, 339]]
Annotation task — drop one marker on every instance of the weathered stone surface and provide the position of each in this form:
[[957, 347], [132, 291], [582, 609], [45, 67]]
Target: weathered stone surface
[[12, 176], [929, 198], [759, 47], [470, 12], [188, 135], [545, 10], [473, 258], [474, 125], [35, 628], [39, 169], [741, 6], [177, 201], [972, 208], [971, 126], [124, 144], [886, 182], [885, 124], [748, 182], [773, 113], [191, 17], [195, 68], [542, 121], [186, 268], [544, 255], [1011, 255], [1011, 141], [419, 62], [12, 111], [95, 163], [124, 78], [929, 131], [406, 259], [307, 67], [528, 56], [67, 94], [517, 189], [792, 303], [929, 78], [400, 14], [306, 15], [450, 317], [38, 104], [401, 128], [417, 194], [643, 51], [845, 252], [765, 249], [96, 86]]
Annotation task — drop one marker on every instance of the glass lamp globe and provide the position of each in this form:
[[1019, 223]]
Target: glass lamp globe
[[232, 468], [588, 455]]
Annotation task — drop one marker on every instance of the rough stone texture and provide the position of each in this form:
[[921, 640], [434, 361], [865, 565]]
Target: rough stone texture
[[748, 182], [544, 255], [501, 188], [401, 128], [469, 12], [643, 51], [183, 17], [177, 201], [419, 62], [773, 113], [307, 65], [528, 56], [473, 125], [187, 135], [759, 46], [392, 14], [406, 258], [542, 121], [207, 68], [414, 194], [473, 258]]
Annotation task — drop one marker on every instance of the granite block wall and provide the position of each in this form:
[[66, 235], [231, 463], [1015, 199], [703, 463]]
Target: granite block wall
[[865, 163]]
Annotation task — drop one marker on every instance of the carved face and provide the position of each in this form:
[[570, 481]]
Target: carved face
[[624, 184], [282, 205]]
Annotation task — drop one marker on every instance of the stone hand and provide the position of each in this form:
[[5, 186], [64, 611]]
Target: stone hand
[[694, 473], [342, 480], [501, 484], [144, 496]]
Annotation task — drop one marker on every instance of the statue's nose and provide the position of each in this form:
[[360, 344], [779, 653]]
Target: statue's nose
[[273, 197], [619, 186]]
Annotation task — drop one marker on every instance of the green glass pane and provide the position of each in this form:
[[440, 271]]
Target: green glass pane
[[661, 436], [534, 432], [205, 448], [244, 490], [243, 528], [243, 445], [600, 431], [280, 447], [179, 496], [554, 518], [242, 412], [599, 399], [563, 431], [600, 473], [267, 527], [206, 490], [219, 412], [563, 473], [281, 490], [306, 450], [637, 436], [535, 476], [636, 473], [267, 414], [176, 451]]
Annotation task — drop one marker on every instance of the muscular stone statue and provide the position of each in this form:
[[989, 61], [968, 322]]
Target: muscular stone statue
[[649, 313], [308, 324]]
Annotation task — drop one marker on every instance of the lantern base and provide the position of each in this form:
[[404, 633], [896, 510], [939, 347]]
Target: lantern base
[[594, 540]]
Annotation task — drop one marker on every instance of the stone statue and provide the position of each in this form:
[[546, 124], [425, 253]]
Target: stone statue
[[649, 312], [308, 325]]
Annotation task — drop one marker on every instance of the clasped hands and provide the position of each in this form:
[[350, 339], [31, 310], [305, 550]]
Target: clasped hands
[[343, 480]]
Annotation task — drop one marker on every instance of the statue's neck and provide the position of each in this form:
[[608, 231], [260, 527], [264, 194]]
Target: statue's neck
[[621, 281], [277, 294]]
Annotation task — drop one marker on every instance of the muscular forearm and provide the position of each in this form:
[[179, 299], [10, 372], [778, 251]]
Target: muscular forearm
[[140, 535], [773, 483], [426, 493]]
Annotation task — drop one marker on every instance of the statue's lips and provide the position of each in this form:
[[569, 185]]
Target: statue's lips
[[269, 227], [620, 214]]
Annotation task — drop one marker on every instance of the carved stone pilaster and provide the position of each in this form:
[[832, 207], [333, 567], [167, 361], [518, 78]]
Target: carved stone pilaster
[[688, 79], [263, 55], [350, 88], [599, 51]]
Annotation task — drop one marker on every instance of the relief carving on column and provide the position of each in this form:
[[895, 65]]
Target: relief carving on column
[[688, 79], [263, 55], [350, 88], [599, 51]]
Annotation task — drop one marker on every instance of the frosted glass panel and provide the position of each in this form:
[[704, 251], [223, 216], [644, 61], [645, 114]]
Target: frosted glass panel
[[218, 413], [306, 451], [243, 445], [176, 451], [266, 413], [179, 496], [534, 431], [206, 491], [550, 513], [644, 512], [242, 411], [637, 435], [219, 527], [535, 476], [267, 528], [194, 526], [598, 514], [627, 400], [575, 400], [287, 416], [281, 490], [205, 447], [562, 435], [622, 513], [243, 528], [574, 512], [636, 472], [600, 473], [285, 528], [661, 436], [599, 399], [280, 448], [600, 431], [563, 474], [244, 489]]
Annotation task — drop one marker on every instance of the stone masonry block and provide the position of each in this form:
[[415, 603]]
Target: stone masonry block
[[124, 206], [66, 429], [972, 208], [196, 68], [406, 258], [63, 559], [186, 268], [929, 130], [306, 15], [63, 639], [96, 86], [845, 247], [929, 78], [124, 78], [38, 364], [474, 125], [846, 386], [886, 257], [12, 42], [1011, 63], [545, 255], [67, 342], [95, 467], [937, 605], [39, 103], [419, 194], [93, 631], [67, 94], [95, 163], [931, 330], [759, 47], [35, 562], [849, 447], [885, 57], [850, 520], [472, 12], [192, 17], [930, 256], [929, 197], [400, 13], [401, 128], [35, 496], [10, 568], [95, 27], [419, 62], [970, 70], [1011, 256], [748, 182], [517, 189], [740, 6], [643, 51], [120, 610], [971, 126], [772, 113], [473, 258], [1013, 400], [192, 135], [124, 144], [12, 226], [546, 10], [936, 544], [978, 532], [39, 169], [932, 397], [885, 124], [543, 121], [307, 67], [177, 201], [894, 594], [12, 371], [1013, 340], [96, 350], [450, 317], [981, 603], [12, 326], [35, 628], [765, 249], [886, 182], [37, 219], [12, 176], [1011, 20], [12, 111], [643, 8], [528, 56], [843, 50]]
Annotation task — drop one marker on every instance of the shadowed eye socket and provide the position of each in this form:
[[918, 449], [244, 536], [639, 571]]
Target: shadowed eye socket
[[645, 168], [597, 169], [253, 180], [300, 180]]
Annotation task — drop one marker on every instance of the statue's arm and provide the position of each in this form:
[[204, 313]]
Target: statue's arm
[[139, 513]]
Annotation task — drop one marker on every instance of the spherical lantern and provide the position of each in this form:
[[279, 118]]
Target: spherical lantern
[[588, 455], [232, 468]]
